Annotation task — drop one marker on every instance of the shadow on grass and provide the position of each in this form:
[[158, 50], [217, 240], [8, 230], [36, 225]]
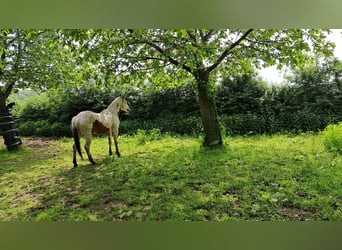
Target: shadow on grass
[[140, 186], [18, 161], [180, 182]]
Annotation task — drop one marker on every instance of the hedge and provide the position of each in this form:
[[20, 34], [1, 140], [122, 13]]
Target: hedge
[[239, 124]]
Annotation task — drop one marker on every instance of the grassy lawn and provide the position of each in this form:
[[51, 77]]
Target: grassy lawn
[[173, 178]]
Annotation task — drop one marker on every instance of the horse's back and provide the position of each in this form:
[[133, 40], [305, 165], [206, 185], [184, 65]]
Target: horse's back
[[84, 120], [89, 122]]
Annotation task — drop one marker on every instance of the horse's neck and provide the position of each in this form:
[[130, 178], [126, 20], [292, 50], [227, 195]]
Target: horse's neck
[[113, 108]]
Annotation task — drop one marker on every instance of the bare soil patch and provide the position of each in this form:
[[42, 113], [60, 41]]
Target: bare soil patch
[[37, 142]]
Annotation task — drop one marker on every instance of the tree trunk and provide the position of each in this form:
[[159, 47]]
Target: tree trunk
[[7, 127], [208, 111]]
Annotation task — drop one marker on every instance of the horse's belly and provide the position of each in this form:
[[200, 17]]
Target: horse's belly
[[98, 128]]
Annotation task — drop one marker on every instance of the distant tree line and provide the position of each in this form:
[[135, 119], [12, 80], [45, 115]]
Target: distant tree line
[[245, 104]]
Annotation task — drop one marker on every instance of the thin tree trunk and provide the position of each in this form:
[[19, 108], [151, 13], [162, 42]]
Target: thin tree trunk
[[7, 126], [208, 111]]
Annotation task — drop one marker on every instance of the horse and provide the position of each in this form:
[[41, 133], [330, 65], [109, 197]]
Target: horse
[[88, 123]]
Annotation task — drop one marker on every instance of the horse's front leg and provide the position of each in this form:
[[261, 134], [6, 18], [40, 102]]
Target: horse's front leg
[[110, 141], [115, 133]]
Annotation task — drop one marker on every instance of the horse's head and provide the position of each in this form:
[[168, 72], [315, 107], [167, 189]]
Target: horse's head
[[124, 106]]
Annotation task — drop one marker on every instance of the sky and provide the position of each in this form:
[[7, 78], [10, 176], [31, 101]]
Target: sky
[[272, 75]]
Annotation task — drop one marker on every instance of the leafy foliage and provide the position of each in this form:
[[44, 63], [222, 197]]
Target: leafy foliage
[[240, 94], [246, 105], [67, 60], [332, 137], [168, 55], [200, 55]]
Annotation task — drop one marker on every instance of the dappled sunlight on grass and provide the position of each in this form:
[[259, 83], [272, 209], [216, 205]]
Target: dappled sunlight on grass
[[162, 177]]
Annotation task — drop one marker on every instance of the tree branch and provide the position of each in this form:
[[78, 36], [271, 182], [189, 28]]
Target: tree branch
[[2, 60], [162, 52], [16, 68], [193, 38], [228, 49], [146, 58], [3, 57], [205, 37], [9, 88]]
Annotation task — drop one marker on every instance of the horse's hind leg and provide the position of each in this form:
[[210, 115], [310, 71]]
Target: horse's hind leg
[[110, 144], [87, 148], [74, 156]]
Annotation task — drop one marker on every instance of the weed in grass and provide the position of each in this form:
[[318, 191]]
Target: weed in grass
[[332, 137]]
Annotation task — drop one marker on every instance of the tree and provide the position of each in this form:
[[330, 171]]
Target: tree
[[13, 45], [35, 59], [203, 54]]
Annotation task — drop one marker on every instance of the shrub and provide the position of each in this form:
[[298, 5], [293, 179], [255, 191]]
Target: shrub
[[43, 128], [26, 128], [241, 124], [144, 137], [60, 129], [174, 124], [332, 137], [36, 108]]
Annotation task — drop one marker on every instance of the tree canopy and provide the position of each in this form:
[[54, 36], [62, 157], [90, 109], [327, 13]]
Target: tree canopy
[[168, 54]]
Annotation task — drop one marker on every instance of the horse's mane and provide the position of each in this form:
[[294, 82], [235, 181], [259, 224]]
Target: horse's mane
[[113, 108]]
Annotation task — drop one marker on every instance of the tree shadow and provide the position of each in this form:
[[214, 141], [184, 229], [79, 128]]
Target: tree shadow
[[84, 190], [189, 183], [152, 183], [135, 187]]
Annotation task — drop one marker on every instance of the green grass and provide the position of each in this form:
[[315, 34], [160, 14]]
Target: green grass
[[161, 177]]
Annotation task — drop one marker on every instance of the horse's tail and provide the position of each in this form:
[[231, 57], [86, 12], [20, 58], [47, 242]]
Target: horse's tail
[[77, 140]]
